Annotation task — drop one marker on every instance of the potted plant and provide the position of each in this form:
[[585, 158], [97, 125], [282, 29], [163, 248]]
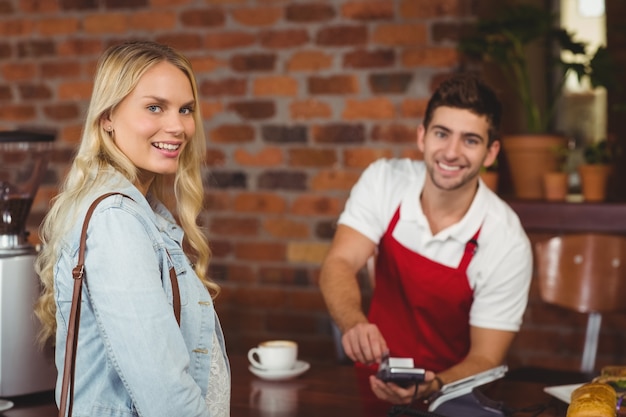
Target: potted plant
[[596, 169], [504, 40], [556, 183]]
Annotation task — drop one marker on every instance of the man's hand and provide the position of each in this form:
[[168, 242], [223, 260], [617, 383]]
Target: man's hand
[[364, 343], [388, 391]]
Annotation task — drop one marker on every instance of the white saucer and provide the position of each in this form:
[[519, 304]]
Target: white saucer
[[298, 369], [5, 405]]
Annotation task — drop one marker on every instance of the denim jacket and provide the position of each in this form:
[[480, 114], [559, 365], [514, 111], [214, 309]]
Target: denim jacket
[[132, 357]]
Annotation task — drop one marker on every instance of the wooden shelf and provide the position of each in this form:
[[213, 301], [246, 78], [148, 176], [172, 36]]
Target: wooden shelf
[[561, 217]]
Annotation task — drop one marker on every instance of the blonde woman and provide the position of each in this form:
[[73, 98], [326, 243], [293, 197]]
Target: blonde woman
[[143, 125]]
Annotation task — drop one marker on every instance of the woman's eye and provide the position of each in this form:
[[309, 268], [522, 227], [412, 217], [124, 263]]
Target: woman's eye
[[186, 110], [154, 108]]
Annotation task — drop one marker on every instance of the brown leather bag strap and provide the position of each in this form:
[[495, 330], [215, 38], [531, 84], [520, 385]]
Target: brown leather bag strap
[[69, 365]]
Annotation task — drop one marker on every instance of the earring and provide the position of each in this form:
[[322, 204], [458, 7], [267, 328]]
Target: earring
[[108, 128]]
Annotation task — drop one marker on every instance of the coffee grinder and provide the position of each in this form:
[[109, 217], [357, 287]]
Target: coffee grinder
[[25, 367]]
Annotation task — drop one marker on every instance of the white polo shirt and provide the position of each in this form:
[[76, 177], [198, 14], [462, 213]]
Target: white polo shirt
[[500, 271]]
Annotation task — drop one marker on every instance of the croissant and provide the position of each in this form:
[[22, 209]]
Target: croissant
[[594, 399]]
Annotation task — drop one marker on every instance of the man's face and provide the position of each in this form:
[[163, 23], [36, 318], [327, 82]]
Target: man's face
[[455, 147]]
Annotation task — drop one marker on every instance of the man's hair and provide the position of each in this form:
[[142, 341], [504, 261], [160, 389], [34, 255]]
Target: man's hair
[[467, 91]]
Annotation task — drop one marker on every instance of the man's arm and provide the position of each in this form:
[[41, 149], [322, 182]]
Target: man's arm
[[488, 349], [348, 253]]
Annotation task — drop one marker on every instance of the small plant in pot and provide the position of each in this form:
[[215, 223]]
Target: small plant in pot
[[505, 40], [597, 168]]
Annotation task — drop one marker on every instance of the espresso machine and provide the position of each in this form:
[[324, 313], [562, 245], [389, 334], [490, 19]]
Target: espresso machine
[[25, 366]]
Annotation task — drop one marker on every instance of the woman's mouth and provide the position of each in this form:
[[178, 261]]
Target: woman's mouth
[[166, 146]]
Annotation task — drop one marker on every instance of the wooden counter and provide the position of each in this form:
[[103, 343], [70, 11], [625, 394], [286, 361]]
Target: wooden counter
[[557, 217]]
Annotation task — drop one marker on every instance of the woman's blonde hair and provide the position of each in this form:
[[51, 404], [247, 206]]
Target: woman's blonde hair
[[119, 70]]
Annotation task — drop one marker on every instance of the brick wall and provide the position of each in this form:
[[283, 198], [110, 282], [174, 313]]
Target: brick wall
[[297, 96]]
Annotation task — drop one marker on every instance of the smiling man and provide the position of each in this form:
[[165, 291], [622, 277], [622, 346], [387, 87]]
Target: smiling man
[[453, 263]]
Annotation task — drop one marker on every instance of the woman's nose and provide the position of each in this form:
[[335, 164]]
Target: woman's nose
[[175, 124]]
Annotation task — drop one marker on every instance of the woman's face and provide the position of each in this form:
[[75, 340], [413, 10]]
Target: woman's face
[[152, 125]]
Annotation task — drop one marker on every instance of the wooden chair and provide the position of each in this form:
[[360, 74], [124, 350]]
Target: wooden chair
[[584, 273]]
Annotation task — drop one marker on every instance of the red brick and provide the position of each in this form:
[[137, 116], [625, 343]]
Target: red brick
[[369, 10], [309, 12], [310, 109], [258, 16], [221, 248], [414, 107], [215, 157], [206, 63], [62, 111], [285, 228], [229, 40], [401, 34], [288, 38], [375, 108], [232, 134], [36, 48], [275, 85], [334, 180], [38, 6], [261, 297], [80, 47], [254, 110], [210, 108], [362, 157], [17, 112], [307, 300], [260, 203], [153, 20], [224, 87], [369, 59], [218, 201], [17, 71], [292, 324], [283, 275], [34, 91], [170, 3], [70, 134], [58, 26], [181, 41], [309, 61], [253, 62], [16, 27], [430, 57], [394, 133], [201, 18], [234, 226], [342, 36], [5, 94], [315, 205], [413, 9], [338, 133], [335, 84], [75, 90], [105, 23], [266, 157], [310, 157], [260, 251], [60, 69]]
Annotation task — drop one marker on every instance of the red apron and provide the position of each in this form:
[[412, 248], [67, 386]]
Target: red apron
[[420, 306]]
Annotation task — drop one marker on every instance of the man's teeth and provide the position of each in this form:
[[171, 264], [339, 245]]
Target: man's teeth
[[166, 146], [448, 167]]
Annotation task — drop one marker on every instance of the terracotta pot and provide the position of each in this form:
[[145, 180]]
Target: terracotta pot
[[490, 178], [555, 186], [593, 180], [529, 158]]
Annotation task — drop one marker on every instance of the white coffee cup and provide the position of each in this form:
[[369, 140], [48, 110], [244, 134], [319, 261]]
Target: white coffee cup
[[274, 355]]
